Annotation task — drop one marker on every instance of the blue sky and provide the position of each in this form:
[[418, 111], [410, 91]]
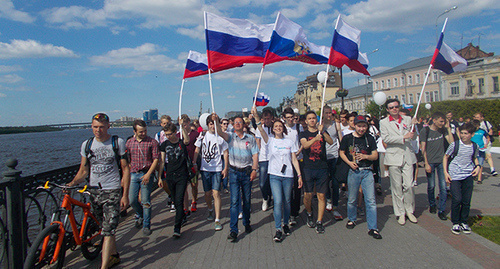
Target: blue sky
[[63, 60]]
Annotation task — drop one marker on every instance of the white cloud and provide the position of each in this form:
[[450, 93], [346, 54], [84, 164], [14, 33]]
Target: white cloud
[[203, 94], [197, 32], [148, 14], [8, 69], [378, 69], [32, 49], [11, 79], [2, 95], [143, 58], [8, 11], [402, 41], [231, 97], [406, 16], [482, 28]]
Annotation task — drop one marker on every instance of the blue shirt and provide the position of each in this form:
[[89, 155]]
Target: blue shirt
[[241, 150], [478, 138]]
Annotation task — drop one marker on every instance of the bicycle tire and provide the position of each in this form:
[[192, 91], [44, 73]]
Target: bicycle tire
[[92, 248], [48, 202], [35, 218], [33, 259]]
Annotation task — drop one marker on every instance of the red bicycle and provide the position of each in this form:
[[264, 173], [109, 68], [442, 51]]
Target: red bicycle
[[49, 248]]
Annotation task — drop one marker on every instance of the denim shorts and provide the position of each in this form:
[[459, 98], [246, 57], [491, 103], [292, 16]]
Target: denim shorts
[[480, 158], [315, 178], [211, 180], [106, 205]]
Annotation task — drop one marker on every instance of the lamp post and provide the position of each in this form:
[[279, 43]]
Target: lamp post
[[444, 12], [373, 51]]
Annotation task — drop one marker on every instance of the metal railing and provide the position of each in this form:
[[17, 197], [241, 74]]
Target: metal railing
[[25, 210]]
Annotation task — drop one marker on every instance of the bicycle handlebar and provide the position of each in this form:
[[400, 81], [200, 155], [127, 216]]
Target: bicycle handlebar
[[64, 187]]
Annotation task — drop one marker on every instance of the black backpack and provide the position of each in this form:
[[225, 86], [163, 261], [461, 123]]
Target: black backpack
[[456, 146], [441, 131]]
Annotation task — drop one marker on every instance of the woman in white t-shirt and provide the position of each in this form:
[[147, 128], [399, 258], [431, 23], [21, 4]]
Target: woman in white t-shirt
[[282, 155]]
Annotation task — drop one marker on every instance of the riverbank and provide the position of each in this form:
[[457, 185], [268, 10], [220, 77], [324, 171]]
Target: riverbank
[[28, 129]]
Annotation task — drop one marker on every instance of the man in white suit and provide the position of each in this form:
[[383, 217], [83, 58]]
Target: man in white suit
[[396, 131]]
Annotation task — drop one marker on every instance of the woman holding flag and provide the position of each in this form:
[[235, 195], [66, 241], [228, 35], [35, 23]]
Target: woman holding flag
[[281, 153]]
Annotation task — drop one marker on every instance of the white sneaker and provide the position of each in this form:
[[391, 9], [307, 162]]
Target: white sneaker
[[172, 208], [265, 205], [465, 228], [402, 220], [412, 218], [329, 205], [240, 216]]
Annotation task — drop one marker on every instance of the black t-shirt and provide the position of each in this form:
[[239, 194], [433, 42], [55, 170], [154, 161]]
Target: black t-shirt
[[315, 156], [365, 145], [176, 154]]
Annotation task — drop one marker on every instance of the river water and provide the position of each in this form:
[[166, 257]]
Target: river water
[[41, 152]]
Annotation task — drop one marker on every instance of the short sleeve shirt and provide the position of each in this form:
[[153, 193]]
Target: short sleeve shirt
[[314, 156], [365, 145], [461, 166], [211, 154], [280, 154], [332, 151], [176, 155], [435, 144], [263, 148], [241, 150], [103, 164]]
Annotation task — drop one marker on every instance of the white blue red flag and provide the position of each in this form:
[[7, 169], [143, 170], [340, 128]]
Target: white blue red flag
[[234, 42], [345, 48], [262, 99], [196, 65], [447, 60], [289, 42]]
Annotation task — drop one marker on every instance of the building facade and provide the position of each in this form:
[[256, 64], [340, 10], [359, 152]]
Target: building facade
[[356, 100], [309, 92], [404, 82]]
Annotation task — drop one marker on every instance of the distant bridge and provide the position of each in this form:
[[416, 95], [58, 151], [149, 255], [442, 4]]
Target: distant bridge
[[84, 125]]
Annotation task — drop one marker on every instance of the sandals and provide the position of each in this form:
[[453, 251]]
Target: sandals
[[375, 234], [350, 225]]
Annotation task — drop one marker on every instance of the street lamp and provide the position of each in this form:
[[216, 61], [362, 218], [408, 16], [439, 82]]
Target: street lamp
[[446, 11], [373, 51]]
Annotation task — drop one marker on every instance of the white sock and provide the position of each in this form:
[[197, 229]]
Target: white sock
[[217, 220]]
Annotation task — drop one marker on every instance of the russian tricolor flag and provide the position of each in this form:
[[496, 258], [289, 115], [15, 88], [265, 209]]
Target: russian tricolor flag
[[345, 48], [196, 65], [234, 42], [447, 60], [289, 42], [262, 99]]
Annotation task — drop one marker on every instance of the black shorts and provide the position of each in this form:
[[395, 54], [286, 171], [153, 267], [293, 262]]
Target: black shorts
[[315, 178]]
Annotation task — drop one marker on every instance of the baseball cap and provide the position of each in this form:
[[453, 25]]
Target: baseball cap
[[359, 119]]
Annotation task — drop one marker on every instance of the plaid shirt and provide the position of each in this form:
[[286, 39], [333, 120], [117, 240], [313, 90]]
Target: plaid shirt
[[142, 154]]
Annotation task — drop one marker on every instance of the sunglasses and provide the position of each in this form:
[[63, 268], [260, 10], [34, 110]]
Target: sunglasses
[[100, 116], [392, 107]]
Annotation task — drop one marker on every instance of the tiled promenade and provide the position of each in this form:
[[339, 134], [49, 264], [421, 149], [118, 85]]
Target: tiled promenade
[[424, 245]]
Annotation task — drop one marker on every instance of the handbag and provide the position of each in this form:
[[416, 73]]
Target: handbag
[[341, 171]]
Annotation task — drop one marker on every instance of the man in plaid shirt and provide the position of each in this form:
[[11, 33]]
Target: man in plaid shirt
[[144, 152]]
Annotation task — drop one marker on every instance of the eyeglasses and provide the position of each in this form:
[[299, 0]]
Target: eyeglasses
[[168, 134], [100, 116], [225, 123], [392, 107]]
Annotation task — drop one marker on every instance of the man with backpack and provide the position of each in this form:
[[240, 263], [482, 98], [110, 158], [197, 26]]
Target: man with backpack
[[100, 158], [488, 128], [434, 140]]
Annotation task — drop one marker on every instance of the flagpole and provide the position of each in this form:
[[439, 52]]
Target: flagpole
[[258, 86], [180, 104], [323, 98], [429, 69]]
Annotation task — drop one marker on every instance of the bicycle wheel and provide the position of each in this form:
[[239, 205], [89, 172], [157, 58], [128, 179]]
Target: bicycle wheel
[[48, 202], [91, 248], [35, 218], [35, 259]]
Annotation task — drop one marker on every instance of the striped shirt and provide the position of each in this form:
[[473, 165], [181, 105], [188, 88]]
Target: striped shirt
[[461, 166], [241, 150]]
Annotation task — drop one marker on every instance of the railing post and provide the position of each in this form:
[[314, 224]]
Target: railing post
[[16, 223]]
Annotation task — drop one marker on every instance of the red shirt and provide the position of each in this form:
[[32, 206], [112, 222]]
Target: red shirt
[[142, 154]]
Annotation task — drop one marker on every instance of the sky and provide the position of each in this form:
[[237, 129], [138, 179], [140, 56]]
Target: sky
[[61, 61]]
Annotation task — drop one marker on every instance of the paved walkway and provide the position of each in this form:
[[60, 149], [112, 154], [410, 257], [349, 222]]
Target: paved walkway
[[426, 244]]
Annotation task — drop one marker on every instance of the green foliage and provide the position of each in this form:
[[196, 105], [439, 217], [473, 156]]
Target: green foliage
[[486, 226], [467, 109], [375, 110]]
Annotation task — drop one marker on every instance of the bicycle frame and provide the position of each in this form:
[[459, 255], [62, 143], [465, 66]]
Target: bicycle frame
[[67, 204]]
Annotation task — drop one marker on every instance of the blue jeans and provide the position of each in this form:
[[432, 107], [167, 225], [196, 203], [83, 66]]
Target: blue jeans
[[365, 179], [211, 180], [436, 168], [142, 209], [282, 193], [240, 187], [265, 187]]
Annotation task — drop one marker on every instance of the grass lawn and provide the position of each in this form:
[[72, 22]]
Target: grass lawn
[[496, 143], [486, 226]]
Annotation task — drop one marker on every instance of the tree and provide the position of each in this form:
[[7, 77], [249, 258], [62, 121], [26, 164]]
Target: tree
[[375, 110]]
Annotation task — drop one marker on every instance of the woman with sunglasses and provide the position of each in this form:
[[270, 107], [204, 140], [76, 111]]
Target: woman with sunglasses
[[281, 152]]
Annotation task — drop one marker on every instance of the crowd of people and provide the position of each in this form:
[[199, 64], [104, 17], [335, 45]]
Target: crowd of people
[[295, 158]]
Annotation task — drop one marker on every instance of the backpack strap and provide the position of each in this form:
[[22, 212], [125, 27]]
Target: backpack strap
[[474, 151], [116, 149], [88, 152]]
